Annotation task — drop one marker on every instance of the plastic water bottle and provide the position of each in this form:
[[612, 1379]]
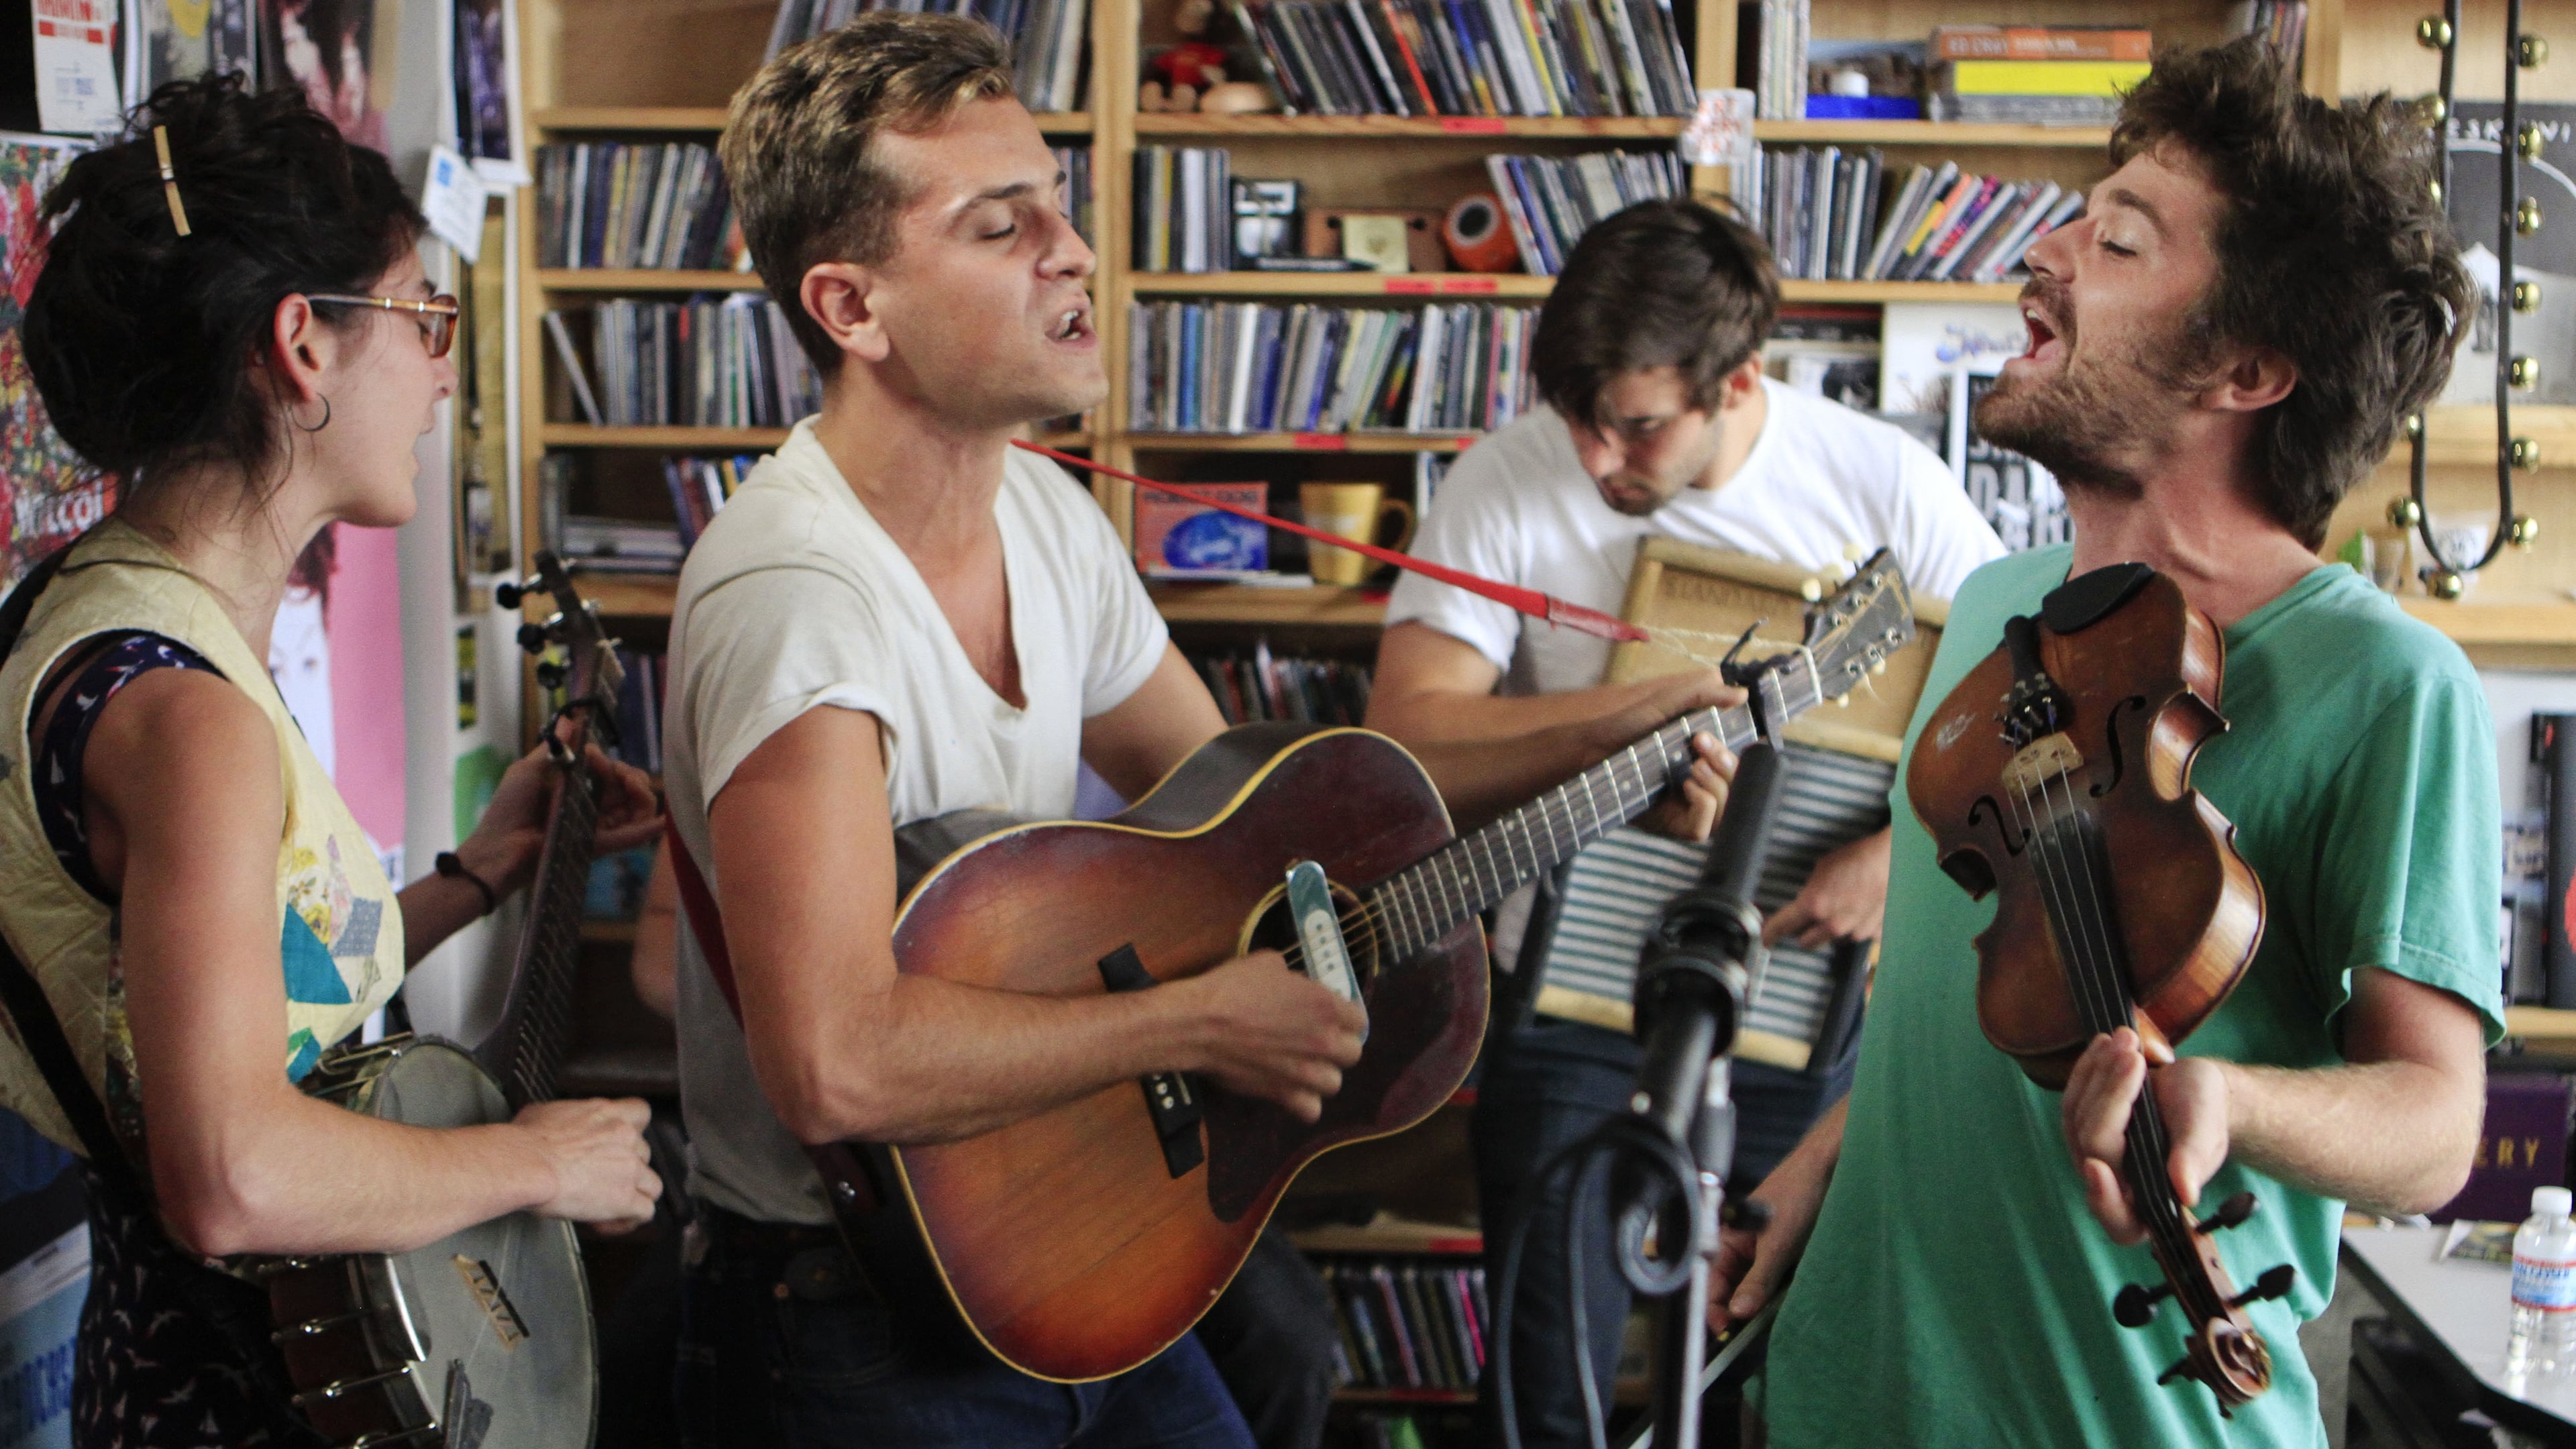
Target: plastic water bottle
[[2543, 1339]]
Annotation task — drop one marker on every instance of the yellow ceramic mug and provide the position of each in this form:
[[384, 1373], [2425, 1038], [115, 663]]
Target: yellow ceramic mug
[[1351, 510]]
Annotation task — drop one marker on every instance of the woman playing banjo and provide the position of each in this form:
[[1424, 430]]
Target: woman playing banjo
[[233, 320]]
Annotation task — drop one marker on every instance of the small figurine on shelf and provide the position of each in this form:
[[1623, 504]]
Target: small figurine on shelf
[[1184, 71]]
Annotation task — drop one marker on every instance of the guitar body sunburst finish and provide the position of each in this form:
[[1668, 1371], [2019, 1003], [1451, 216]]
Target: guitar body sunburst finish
[[1066, 1242]]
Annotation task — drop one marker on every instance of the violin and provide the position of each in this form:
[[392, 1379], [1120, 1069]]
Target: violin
[[2057, 777]]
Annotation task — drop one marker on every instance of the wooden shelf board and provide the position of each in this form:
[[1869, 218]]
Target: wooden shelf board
[[1302, 442], [2540, 1023], [2465, 437], [2470, 622], [644, 279], [1339, 284], [619, 596], [712, 119], [1414, 128], [678, 440], [1254, 604], [1934, 133], [1899, 291], [1394, 1235]]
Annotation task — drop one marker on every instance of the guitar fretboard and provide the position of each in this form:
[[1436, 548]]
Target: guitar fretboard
[[537, 1022], [1425, 901]]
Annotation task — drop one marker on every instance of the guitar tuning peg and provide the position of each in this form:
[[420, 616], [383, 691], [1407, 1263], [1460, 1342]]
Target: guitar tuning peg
[[2135, 1305], [2231, 1213], [2274, 1283]]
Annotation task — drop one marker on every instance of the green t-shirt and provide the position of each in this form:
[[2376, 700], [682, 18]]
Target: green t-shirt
[[1956, 1292]]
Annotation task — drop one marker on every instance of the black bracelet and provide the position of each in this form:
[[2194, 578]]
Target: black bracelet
[[454, 869]]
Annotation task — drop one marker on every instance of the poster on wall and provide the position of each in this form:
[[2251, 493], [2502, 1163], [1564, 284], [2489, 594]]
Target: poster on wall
[[488, 120], [75, 66], [329, 49], [47, 494], [168, 40], [336, 654]]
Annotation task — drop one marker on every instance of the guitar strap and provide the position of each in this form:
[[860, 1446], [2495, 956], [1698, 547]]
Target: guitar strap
[[843, 1173], [40, 1031]]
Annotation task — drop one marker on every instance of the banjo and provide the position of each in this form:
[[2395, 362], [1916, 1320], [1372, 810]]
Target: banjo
[[485, 1336]]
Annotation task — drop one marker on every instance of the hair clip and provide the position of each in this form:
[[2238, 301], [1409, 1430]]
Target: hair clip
[[169, 179]]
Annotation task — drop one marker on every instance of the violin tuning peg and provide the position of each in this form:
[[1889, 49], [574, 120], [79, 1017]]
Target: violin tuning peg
[[2231, 1213], [2135, 1305], [2274, 1283], [2181, 1370]]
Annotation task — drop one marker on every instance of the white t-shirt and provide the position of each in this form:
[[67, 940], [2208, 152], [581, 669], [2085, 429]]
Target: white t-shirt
[[1518, 507], [796, 598]]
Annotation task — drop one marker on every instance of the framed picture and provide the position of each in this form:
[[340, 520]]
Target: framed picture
[[329, 48], [489, 123], [168, 40]]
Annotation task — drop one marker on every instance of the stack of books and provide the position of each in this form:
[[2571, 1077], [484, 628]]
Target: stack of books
[[699, 488], [1471, 57], [1553, 200], [608, 204], [1261, 686], [1257, 367], [2033, 75], [639, 717], [1837, 215], [1184, 209], [1780, 59], [1080, 202], [618, 545], [2283, 24], [1409, 1323], [708, 362], [1046, 37]]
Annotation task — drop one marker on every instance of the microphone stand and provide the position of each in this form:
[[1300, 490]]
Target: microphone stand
[[1697, 970]]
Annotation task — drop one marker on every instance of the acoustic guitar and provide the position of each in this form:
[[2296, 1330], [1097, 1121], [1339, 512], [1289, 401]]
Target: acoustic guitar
[[1082, 1241], [483, 1338]]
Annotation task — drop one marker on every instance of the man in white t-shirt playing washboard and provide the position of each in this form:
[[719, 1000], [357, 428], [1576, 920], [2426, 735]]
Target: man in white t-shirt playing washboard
[[1659, 424], [899, 617]]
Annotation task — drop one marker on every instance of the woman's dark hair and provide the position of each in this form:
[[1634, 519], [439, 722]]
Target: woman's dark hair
[[2332, 250], [1661, 284], [143, 343]]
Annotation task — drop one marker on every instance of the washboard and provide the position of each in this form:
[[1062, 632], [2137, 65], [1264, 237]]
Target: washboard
[[1842, 763]]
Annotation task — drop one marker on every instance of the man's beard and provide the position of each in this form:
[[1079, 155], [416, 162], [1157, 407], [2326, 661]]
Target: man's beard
[[2094, 422]]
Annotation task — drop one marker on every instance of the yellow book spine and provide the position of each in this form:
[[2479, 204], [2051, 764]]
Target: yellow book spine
[[2045, 77]]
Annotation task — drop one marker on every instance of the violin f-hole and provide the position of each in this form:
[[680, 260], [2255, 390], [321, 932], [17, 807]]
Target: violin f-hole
[[2119, 757]]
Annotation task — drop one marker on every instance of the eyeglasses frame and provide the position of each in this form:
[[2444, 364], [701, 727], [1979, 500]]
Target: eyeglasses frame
[[443, 305]]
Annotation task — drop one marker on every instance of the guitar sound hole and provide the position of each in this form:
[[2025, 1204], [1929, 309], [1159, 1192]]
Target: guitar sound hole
[[1273, 931]]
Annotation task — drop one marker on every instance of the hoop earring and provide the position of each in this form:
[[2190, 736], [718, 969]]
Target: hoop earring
[[317, 427]]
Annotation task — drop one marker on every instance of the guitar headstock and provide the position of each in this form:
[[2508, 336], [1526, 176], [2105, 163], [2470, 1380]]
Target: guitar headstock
[[588, 675], [1852, 631]]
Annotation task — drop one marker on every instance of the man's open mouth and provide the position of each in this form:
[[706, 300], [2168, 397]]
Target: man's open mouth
[[1073, 326]]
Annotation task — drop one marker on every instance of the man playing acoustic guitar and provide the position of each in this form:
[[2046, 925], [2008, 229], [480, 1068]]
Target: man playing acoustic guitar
[[897, 617], [2219, 351]]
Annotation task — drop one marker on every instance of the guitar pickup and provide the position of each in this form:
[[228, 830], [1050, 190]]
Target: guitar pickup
[[1319, 932], [1171, 1098]]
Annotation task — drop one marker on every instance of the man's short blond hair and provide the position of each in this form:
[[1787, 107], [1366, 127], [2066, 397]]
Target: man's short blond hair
[[799, 144]]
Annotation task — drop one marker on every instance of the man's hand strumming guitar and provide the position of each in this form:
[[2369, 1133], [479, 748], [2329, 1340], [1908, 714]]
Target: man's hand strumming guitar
[[1268, 1031]]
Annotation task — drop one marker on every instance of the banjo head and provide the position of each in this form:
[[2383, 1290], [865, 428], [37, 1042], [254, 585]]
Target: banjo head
[[500, 1311]]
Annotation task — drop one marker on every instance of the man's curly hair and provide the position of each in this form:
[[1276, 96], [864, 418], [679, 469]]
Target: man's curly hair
[[2332, 250]]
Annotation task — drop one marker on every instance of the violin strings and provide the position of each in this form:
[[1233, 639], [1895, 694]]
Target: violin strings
[[2147, 1149]]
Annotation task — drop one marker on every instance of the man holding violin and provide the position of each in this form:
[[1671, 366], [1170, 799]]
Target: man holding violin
[[2220, 349]]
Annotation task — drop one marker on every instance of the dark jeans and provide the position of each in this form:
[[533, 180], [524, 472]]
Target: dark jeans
[[1546, 1085], [1271, 1337], [783, 1345]]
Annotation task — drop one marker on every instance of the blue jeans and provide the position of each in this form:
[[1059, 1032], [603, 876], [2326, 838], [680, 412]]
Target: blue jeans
[[783, 1345], [1544, 1086]]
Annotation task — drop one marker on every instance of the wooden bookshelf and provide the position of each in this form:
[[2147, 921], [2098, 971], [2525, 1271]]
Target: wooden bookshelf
[[1932, 133], [1300, 442], [1260, 605], [1470, 286], [710, 119], [1472, 129], [644, 279], [1387, 1234]]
